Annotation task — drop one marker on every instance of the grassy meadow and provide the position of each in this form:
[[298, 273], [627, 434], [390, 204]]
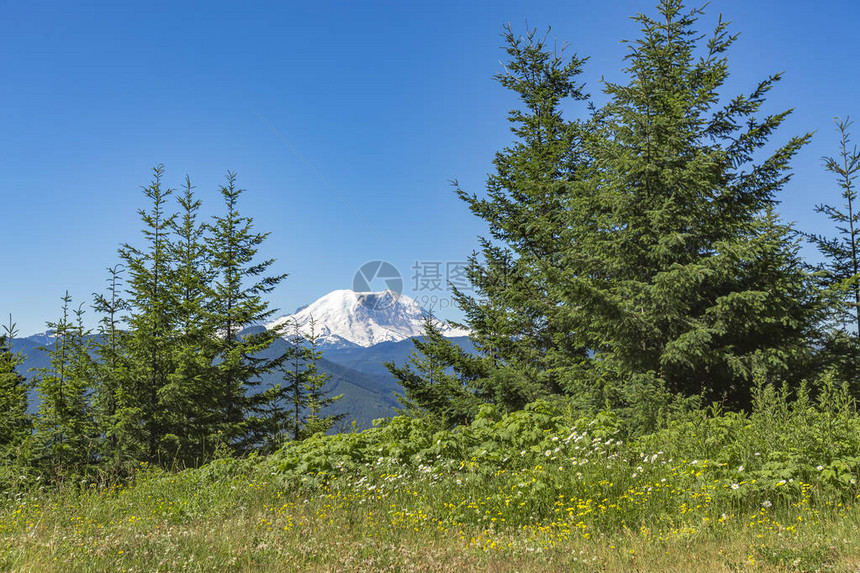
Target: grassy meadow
[[538, 490]]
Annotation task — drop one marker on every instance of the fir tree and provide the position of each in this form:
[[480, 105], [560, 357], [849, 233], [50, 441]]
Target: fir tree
[[435, 380], [110, 364], [513, 317], [317, 398], [237, 303], [142, 414], [839, 273], [676, 274], [193, 416], [66, 434], [297, 406], [15, 423], [293, 398]]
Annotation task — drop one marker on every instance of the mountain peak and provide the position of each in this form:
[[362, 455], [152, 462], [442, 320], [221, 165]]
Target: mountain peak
[[346, 318]]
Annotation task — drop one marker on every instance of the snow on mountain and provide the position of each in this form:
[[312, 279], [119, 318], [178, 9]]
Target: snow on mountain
[[345, 318], [46, 338]]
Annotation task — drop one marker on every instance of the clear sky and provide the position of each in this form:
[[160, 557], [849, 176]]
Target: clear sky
[[385, 101]]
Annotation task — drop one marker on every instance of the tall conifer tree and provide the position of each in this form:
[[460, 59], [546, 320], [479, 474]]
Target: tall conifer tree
[[111, 363], [839, 273], [142, 422], [513, 317], [237, 303], [676, 273], [193, 416], [635, 254]]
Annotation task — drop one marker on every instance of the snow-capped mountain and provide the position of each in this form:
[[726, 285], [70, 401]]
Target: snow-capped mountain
[[345, 318]]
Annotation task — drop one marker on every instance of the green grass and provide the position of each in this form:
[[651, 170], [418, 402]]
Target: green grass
[[538, 490], [202, 521]]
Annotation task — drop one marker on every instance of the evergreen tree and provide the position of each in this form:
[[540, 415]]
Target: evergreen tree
[[193, 417], [635, 255], [15, 423], [297, 406], [142, 414], [839, 274], [514, 316], [317, 398], [110, 365], [292, 391], [237, 303], [66, 434], [435, 380], [676, 274]]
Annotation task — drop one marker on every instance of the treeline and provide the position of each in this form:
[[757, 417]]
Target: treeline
[[172, 373], [634, 259]]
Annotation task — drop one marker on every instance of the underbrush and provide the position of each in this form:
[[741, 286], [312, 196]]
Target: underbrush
[[539, 489]]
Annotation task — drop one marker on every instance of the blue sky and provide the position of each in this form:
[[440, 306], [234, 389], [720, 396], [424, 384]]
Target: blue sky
[[387, 101]]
